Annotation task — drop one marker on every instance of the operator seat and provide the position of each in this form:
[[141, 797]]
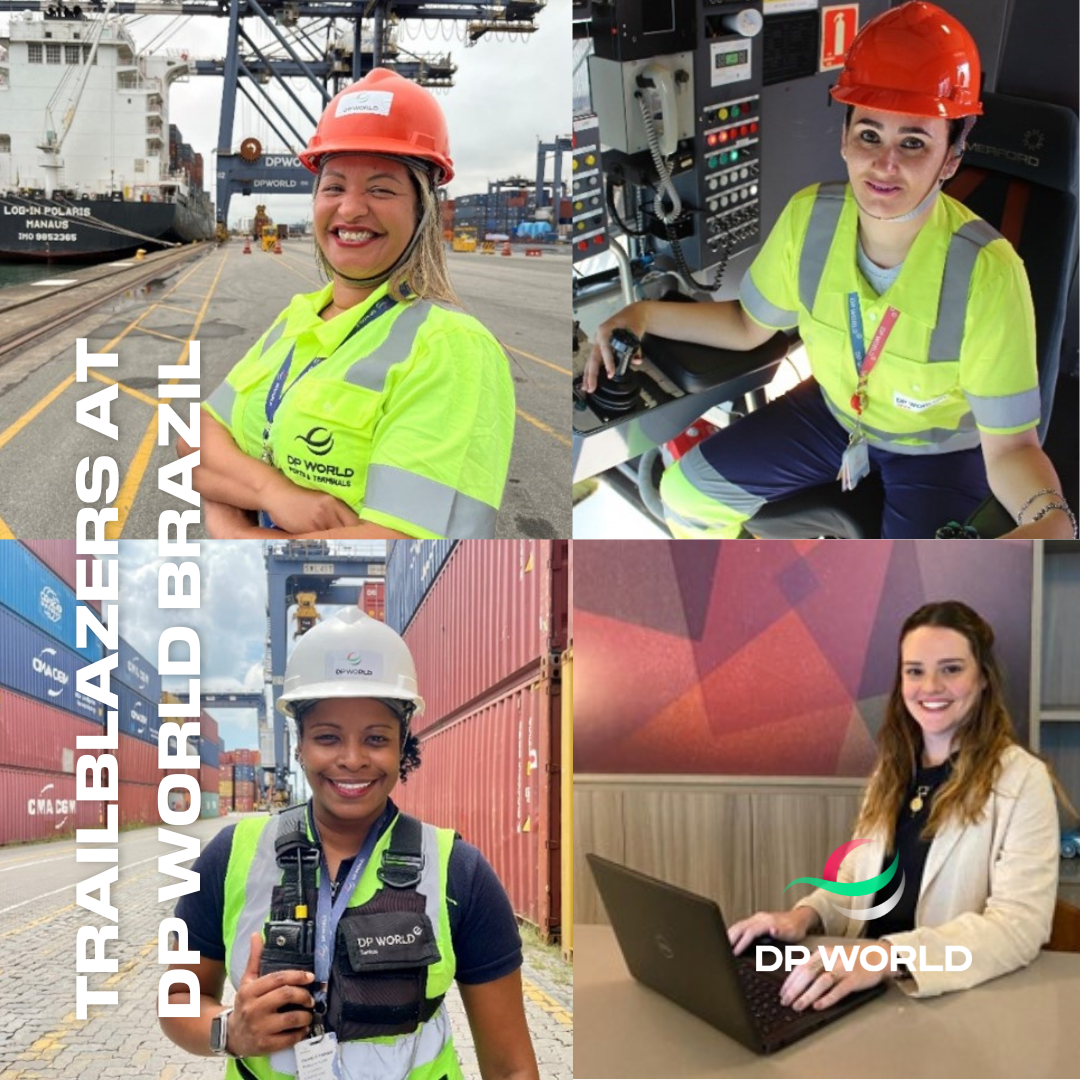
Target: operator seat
[[1020, 175]]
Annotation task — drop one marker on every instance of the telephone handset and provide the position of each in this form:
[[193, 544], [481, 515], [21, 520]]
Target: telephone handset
[[656, 84]]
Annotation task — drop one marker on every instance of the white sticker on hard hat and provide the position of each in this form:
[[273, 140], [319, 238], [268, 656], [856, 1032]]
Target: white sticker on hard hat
[[375, 102], [354, 664]]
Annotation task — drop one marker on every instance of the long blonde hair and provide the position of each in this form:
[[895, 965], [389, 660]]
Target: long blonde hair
[[979, 741], [424, 273]]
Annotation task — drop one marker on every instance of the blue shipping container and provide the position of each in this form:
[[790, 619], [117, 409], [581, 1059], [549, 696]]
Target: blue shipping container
[[136, 671], [30, 589], [411, 569], [243, 772], [138, 717], [40, 667], [210, 753]]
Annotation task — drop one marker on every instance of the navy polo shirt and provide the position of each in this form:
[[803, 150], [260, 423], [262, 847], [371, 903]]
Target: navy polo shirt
[[483, 927]]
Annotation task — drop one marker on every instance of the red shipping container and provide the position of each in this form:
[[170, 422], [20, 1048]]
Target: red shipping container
[[225, 804], [138, 804], [512, 814], [209, 778], [35, 735], [494, 616], [570, 594], [372, 600], [226, 759], [208, 727], [40, 805]]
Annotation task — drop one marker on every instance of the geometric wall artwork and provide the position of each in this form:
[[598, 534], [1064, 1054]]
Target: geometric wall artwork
[[767, 658]]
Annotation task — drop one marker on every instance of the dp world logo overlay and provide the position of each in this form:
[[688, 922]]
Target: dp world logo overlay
[[856, 888]]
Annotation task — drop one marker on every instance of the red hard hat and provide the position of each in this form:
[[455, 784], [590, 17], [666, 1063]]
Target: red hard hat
[[382, 114], [916, 60]]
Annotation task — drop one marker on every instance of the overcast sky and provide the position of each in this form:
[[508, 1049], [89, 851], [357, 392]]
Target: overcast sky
[[231, 621], [506, 95]]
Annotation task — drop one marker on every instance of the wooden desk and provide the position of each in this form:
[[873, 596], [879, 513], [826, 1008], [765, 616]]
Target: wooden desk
[[1026, 1024]]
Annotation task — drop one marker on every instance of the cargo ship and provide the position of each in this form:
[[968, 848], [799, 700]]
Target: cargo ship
[[90, 167]]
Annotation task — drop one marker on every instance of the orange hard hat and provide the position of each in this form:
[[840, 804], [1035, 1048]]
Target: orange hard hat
[[916, 60], [383, 114]]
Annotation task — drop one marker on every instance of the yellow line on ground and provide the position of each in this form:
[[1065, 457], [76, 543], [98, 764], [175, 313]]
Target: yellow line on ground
[[529, 356], [158, 333], [313, 281], [543, 427], [127, 389], [36, 922], [10, 432], [176, 307], [547, 1003], [139, 463], [5, 531], [185, 278]]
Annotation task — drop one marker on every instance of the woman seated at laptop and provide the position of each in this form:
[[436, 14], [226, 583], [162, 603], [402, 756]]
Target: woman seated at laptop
[[970, 812]]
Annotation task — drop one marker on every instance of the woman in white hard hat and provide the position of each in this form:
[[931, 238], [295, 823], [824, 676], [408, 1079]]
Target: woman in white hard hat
[[359, 955], [374, 407]]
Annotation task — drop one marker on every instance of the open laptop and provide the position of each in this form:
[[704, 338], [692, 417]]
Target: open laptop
[[676, 943]]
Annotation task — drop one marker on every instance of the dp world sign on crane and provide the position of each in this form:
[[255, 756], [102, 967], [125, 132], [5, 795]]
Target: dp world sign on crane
[[272, 173]]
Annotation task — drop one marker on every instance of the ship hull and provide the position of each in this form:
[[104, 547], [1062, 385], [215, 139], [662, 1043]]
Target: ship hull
[[89, 230]]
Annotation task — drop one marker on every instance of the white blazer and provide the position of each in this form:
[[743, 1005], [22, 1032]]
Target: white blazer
[[990, 887]]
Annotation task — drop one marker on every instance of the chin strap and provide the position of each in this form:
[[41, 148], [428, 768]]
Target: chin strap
[[931, 195]]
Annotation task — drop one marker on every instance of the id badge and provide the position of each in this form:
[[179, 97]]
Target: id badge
[[316, 1058], [855, 463]]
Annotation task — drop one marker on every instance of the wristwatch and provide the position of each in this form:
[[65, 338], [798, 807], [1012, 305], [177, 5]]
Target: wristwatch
[[219, 1035]]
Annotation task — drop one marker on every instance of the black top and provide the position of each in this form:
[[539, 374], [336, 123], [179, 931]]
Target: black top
[[483, 928], [912, 850]]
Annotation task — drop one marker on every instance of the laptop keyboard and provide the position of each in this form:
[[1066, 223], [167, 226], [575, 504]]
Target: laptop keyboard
[[763, 996]]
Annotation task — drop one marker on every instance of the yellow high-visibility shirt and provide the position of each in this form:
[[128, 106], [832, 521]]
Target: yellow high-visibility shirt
[[961, 356]]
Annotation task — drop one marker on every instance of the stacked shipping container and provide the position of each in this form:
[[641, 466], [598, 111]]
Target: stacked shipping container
[[487, 629], [372, 599], [42, 715]]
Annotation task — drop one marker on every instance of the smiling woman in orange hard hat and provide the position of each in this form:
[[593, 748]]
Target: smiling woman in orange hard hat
[[916, 316], [374, 407], [342, 924]]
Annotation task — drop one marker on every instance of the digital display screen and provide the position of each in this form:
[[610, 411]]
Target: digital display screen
[[730, 59]]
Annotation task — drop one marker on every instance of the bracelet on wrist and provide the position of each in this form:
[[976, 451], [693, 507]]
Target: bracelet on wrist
[[1038, 494], [1050, 507]]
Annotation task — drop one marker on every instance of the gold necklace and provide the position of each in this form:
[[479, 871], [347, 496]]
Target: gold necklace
[[916, 804]]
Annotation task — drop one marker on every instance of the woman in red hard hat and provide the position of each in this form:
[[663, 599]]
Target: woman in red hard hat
[[915, 314], [373, 407]]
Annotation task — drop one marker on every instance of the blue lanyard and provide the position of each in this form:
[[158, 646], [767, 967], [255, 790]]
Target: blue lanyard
[[278, 389], [329, 911]]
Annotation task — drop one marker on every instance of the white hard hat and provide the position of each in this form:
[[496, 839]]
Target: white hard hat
[[350, 655]]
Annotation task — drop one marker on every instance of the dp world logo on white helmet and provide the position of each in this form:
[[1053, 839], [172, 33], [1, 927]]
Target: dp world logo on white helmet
[[51, 607], [354, 664], [44, 664]]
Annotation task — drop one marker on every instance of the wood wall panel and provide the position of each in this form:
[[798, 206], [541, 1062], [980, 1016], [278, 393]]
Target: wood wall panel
[[598, 827]]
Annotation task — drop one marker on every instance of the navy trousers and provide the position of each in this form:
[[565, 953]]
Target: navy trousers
[[794, 443]]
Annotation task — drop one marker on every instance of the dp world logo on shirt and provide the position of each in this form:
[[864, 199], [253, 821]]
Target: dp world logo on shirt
[[51, 607], [868, 887], [319, 440]]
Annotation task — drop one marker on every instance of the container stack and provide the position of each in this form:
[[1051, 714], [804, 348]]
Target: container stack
[[488, 629], [372, 599], [209, 769], [41, 715], [244, 762], [225, 782]]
